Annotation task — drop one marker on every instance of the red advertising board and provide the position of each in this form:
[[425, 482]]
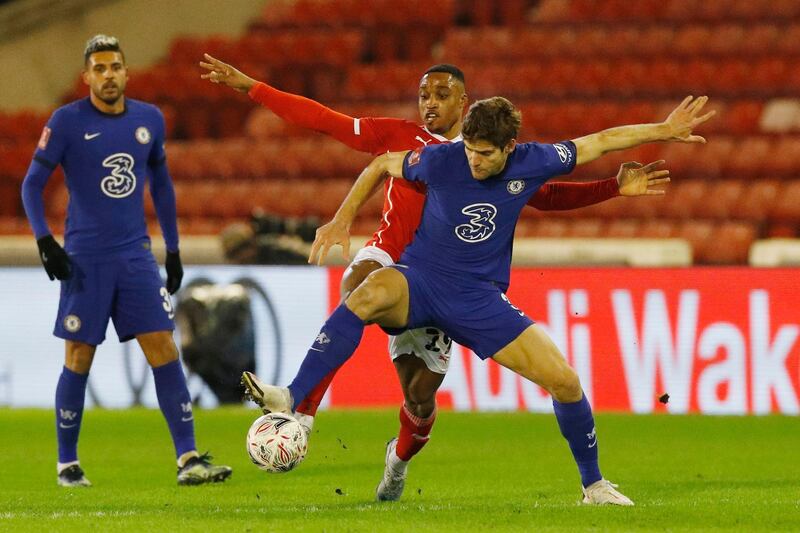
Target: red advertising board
[[717, 340]]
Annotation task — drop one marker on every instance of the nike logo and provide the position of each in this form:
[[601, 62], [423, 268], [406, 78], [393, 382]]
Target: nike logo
[[65, 426], [90, 136], [187, 419], [316, 349]]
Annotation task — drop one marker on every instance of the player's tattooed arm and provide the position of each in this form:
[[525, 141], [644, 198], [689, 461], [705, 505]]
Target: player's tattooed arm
[[677, 127], [337, 231]]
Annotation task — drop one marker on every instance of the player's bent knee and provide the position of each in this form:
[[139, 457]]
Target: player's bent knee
[[421, 396], [566, 386], [373, 297], [356, 274]]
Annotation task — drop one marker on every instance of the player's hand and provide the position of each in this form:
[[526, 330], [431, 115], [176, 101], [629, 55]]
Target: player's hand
[[174, 271], [635, 179], [54, 259], [219, 72], [685, 118], [329, 235]]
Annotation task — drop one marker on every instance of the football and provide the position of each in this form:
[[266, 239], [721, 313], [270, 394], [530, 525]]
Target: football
[[276, 442]]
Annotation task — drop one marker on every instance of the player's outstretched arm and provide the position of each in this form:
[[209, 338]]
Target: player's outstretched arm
[[295, 109], [337, 231], [677, 127], [633, 179]]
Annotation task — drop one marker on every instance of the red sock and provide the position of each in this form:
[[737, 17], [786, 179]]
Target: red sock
[[414, 433], [310, 405]]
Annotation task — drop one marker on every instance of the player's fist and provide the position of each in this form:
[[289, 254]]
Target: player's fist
[[54, 259], [174, 271]]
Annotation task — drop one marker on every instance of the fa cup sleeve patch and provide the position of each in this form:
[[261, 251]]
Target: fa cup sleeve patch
[[43, 140], [415, 156]]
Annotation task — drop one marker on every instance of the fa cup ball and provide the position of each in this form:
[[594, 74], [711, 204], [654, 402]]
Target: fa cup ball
[[276, 442]]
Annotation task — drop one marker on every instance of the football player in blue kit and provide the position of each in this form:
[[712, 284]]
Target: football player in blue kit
[[455, 273], [109, 146]]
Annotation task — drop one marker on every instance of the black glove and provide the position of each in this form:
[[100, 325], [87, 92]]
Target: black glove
[[55, 260], [174, 271]]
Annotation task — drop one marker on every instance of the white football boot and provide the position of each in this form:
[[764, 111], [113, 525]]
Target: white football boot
[[306, 422], [271, 398], [604, 492], [394, 481], [73, 476]]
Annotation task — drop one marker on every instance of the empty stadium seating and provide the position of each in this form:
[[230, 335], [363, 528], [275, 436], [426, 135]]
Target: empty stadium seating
[[571, 66]]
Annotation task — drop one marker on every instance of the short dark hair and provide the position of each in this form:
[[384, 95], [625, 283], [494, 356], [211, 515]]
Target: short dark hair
[[447, 69], [495, 120], [101, 43]]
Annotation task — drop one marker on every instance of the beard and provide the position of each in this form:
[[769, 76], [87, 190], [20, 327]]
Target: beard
[[109, 97]]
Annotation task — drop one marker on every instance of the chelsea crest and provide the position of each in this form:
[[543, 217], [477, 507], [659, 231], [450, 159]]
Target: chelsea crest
[[142, 135], [515, 186]]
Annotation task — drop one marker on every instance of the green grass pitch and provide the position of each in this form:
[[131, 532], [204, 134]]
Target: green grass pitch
[[480, 472]]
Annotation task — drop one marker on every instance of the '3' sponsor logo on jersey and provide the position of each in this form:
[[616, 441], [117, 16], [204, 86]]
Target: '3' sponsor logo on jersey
[[122, 181], [481, 224]]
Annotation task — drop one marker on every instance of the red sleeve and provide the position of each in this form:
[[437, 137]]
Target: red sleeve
[[572, 195], [310, 114]]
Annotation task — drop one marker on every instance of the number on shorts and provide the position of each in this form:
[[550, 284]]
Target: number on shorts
[[433, 346], [167, 303], [514, 307]]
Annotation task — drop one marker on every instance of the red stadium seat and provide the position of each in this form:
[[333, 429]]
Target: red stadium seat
[[551, 228], [730, 243], [623, 228], [657, 229], [721, 200], [758, 199], [586, 228], [787, 204], [684, 199], [697, 233]]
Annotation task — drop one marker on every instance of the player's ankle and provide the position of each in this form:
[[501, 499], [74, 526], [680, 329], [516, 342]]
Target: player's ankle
[[60, 467], [186, 456], [398, 465]]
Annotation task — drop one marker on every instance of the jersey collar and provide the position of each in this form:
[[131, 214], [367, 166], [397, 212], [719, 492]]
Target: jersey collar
[[107, 115], [442, 138]]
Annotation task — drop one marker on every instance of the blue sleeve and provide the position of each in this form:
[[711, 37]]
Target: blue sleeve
[[418, 164], [53, 142], [158, 154], [162, 191], [48, 155], [32, 190], [537, 160]]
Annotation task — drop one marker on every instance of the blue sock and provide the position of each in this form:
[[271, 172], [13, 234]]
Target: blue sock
[[336, 342], [577, 426], [70, 394], [176, 404]]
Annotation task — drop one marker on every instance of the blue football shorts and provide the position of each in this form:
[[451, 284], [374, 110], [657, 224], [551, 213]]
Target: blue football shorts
[[125, 287], [474, 313]]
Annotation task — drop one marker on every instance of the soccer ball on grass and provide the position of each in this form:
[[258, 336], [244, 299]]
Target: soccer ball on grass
[[276, 442]]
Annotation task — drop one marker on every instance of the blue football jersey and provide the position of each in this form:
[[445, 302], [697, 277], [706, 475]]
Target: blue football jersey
[[105, 160], [467, 226]]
